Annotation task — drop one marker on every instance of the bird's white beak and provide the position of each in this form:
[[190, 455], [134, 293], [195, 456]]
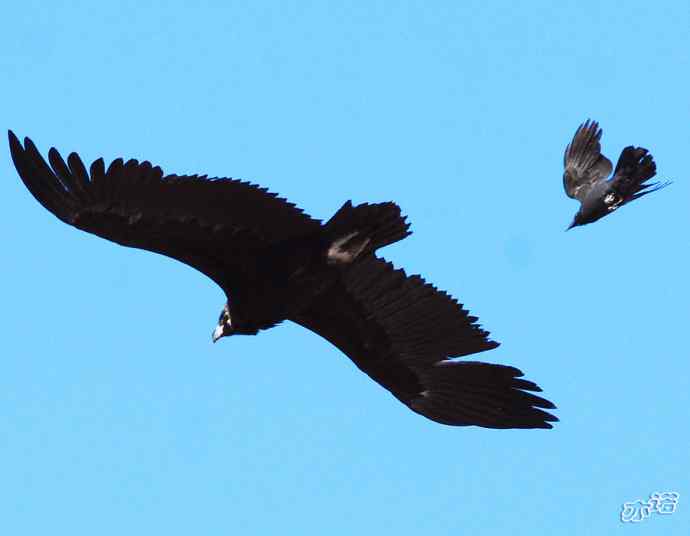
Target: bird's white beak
[[217, 333]]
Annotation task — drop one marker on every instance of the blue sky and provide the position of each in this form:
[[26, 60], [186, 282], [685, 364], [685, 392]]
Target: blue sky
[[118, 415]]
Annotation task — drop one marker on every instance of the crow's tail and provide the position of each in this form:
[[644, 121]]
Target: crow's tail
[[635, 166]]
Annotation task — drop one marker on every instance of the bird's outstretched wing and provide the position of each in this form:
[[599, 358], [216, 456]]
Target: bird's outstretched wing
[[401, 332], [584, 164], [210, 224], [635, 166]]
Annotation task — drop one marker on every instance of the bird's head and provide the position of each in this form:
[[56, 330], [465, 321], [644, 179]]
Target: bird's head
[[224, 327], [579, 219]]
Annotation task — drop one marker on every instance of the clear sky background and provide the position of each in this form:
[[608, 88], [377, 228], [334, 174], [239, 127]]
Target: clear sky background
[[118, 415]]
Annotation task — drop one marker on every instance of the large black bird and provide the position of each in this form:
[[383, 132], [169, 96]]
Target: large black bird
[[276, 263], [586, 172]]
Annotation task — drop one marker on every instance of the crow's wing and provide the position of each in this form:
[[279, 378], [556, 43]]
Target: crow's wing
[[212, 225], [401, 332], [584, 164], [635, 166]]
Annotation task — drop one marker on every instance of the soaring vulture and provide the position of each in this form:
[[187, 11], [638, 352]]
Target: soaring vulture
[[275, 263], [586, 172]]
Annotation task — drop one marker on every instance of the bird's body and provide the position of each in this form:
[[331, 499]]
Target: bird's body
[[275, 263], [601, 198], [276, 284], [586, 172]]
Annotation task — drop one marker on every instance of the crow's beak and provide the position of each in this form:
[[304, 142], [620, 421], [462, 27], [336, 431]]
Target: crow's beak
[[217, 333], [571, 225]]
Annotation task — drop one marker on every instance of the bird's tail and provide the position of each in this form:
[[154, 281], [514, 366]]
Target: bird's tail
[[360, 230], [636, 166]]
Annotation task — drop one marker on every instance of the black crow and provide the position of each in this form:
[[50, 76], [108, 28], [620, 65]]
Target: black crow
[[275, 263], [586, 172]]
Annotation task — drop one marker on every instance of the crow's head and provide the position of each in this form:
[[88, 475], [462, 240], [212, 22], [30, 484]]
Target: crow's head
[[581, 218], [224, 327], [594, 209]]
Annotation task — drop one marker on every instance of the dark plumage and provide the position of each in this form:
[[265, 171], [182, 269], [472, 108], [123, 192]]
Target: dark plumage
[[586, 172], [276, 263]]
